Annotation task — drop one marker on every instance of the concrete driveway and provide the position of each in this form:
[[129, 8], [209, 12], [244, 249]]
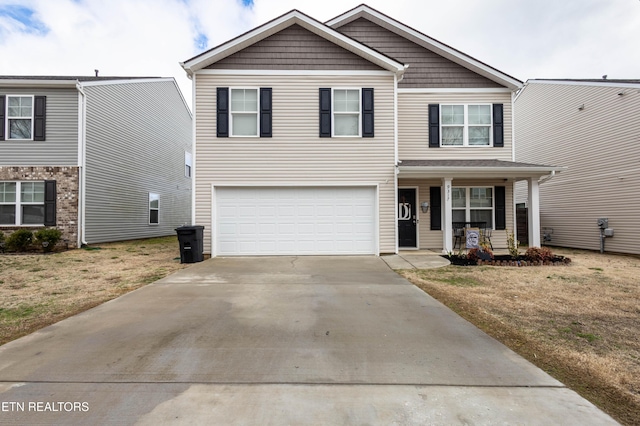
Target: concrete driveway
[[277, 340]]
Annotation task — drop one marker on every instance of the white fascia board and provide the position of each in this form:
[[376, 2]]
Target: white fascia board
[[603, 83], [477, 172], [38, 83], [236, 72], [431, 44], [278, 24]]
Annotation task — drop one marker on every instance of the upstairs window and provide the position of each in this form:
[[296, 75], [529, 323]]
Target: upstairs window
[[346, 112], [20, 117], [465, 125], [244, 112]]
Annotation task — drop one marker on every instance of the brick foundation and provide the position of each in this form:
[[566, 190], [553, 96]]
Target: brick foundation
[[67, 182]]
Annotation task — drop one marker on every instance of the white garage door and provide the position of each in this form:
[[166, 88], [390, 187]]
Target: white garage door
[[293, 220]]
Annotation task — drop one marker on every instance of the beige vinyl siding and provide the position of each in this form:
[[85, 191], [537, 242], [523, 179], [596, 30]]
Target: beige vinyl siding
[[296, 155], [599, 147], [429, 239], [426, 68], [294, 48], [413, 126], [61, 145]]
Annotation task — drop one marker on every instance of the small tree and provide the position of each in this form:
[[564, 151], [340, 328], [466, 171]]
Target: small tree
[[513, 245], [20, 240], [48, 238]]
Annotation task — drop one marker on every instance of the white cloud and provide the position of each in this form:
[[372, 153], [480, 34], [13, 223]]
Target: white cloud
[[544, 39]]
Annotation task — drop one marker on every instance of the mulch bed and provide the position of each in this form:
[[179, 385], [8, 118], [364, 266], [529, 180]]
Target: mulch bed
[[506, 260]]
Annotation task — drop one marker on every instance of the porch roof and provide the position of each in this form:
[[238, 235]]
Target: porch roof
[[473, 169]]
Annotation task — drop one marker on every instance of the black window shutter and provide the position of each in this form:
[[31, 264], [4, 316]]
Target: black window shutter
[[436, 208], [367, 113], [434, 126], [498, 125], [501, 208], [265, 112], [2, 109], [222, 112], [325, 113], [50, 203], [39, 118]]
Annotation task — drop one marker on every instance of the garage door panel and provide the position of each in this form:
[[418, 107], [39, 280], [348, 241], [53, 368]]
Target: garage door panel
[[321, 220]]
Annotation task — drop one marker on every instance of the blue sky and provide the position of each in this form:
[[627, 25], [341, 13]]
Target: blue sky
[[541, 39]]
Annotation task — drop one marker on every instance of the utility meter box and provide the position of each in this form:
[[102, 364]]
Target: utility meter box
[[603, 222], [608, 232]]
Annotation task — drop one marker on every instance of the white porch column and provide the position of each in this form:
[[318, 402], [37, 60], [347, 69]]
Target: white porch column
[[534, 212], [447, 231]]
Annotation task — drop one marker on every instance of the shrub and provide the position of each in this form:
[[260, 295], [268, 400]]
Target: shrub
[[1, 236], [476, 254], [539, 254], [48, 238], [20, 240]]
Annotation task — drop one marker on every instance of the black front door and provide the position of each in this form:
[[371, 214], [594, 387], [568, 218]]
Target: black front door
[[407, 221]]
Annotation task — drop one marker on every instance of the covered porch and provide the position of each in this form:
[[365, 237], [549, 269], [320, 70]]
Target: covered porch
[[435, 194]]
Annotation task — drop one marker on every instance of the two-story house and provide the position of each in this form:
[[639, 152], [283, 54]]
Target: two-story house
[[356, 136], [593, 128], [100, 158]]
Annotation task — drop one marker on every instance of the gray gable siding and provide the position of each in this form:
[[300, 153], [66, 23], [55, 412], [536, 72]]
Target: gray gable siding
[[294, 48], [61, 145], [136, 137], [426, 69]]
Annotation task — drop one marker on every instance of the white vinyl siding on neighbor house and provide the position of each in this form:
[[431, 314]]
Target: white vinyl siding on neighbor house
[[598, 144], [296, 155], [413, 126]]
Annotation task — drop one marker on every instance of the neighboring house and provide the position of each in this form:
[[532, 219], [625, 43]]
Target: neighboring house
[[315, 138], [100, 158], [593, 128]]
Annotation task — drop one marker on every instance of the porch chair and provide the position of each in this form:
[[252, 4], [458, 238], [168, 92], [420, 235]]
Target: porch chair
[[485, 237]]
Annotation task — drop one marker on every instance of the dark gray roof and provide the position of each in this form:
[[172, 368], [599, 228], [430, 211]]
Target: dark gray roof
[[467, 163], [58, 77]]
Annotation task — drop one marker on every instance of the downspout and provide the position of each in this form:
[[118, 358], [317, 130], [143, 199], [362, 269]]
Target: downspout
[[194, 158], [396, 160], [546, 178], [82, 157]]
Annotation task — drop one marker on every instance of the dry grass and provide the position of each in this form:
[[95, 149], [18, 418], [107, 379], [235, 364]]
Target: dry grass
[[580, 323], [37, 290]]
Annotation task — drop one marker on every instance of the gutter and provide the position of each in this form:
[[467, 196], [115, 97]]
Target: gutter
[[82, 157]]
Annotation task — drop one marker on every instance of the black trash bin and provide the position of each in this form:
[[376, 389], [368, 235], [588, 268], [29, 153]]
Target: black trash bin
[[191, 246]]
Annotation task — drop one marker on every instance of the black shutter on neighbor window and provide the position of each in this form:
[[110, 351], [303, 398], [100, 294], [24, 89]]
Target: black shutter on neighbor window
[[367, 113], [265, 112], [50, 197], [2, 109], [501, 208], [434, 126], [498, 125], [39, 118], [435, 199], [325, 113], [222, 112]]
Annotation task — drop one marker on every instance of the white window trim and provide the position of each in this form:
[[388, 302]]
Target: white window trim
[[188, 164], [7, 118], [231, 113], [467, 209], [466, 125], [156, 209], [333, 113], [18, 203]]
